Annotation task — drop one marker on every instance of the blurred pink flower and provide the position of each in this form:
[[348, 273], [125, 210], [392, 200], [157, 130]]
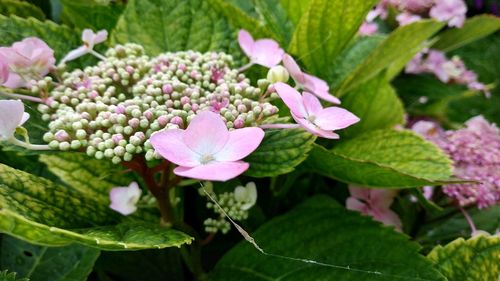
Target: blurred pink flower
[[12, 115], [89, 39], [265, 52], [307, 111], [368, 28], [406, 18], [206, 150], [375, 203], [451, 11], [308, 82], [414, 6], [29, 59], [124, 199]]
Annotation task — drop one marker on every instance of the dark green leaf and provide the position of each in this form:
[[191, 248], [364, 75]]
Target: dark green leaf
[[345, 243], [10, 276], [70, 263], [20, 9], [91, 14], [275, 19], [280, 152], [383, 158]]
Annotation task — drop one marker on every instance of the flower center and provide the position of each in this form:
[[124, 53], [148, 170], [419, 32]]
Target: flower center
[[311, 118], [205, 159]]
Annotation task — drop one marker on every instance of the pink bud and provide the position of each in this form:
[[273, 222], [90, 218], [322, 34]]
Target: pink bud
[[182, 67], [239, 123], [195, 107], [177, 121], [194, 73], [148, 114], [120, 109], [129, 69], [117, 138], [140, 135], [61, 135], [185, 100], [134, 123], [93, 94], [167, 89], [163, 120]]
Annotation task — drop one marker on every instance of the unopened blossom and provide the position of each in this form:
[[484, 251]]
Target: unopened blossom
[[12, 115], [29, 59], [308, 82], [278, 74], [89, 39], [451, 11], [124, 199], [247, 195], [265, 52], [307, 111], [375, 203], [206, 150]]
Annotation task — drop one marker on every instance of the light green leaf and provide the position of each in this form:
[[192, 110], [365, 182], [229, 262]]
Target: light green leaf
[[87, 175], [42, 212], [474, 28], [20, 9], [275, 19], [326, 29], [376, 104], [173, 25], [280, 152], [10, 276], [91, 14], [295, 9], [383, 158], [70, 263], [346, 243], [394, 50], [60, 38], [476, 259]]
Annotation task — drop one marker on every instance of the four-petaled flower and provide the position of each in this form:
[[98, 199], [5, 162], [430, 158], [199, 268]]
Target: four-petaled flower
[[124, 199], [265, 52], [307, 111], [29, 59], [12, 115], [375, 203], [207, 150], [89, 39]]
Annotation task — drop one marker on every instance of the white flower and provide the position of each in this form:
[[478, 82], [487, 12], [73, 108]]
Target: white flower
[[12, 115], [124, 199], [246, 195], [89, 39]]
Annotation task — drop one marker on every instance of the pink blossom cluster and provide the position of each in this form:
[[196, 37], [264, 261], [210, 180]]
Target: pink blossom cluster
[[409, 11], [446, 70], [475, 150]]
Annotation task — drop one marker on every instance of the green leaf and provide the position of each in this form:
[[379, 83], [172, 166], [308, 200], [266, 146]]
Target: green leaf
[[474, 28], [88, 175], [91, 14], [326, 29], [70, 263], [376, 104], [20, 9], [476, 259], [383, 158], [295, 9], [394, 50], [173, 25], [280, 152], [42, 212], [321, 230], [12, 276], [60, 38], [275, 19]]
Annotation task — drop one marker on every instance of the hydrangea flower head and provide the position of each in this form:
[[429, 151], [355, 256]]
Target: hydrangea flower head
[[124, 199], [12, 115], [307, 111], [29, 59], [265, 52], [207, 150], [452, 11]]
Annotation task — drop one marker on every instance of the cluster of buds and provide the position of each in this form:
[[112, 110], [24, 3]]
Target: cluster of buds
[[110, 110], [235, 204]]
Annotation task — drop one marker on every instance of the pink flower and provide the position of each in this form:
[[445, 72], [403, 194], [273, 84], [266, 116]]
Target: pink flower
[[4, 70], [12, 115], [452, 11], [265, 52], [124, 199], [29, 59], [375, 203], [89, 39], [307, 111], [415, 6], [368, 28], [206, 150], [406, 18], [308, 82]]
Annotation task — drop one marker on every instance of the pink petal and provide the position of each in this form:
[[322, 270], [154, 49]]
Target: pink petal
[[4, 70], [246, 42], [382, 198], [240, 144], [294, 69], [356, 205], [15, 81], [101, 36], [320, 88], [267, 52], [313, 129], [124, 199], [88, 36], [311, 103], [25, 118], [388, 217], [360, 192], [207, 133], [11, 116], [291, 98], [213, 171], [76, 53], [335, 118], [170, 145]]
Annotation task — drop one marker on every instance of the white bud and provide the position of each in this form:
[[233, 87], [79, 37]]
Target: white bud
[[278, 74]]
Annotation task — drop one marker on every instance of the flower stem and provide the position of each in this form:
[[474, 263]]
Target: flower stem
[[28, 145], [245, 67], [279, 126], [23, 97], [468, 219], [97, 55]]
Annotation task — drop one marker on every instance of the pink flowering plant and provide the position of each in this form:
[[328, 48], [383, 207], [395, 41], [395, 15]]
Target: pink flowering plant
[[224, 140]]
